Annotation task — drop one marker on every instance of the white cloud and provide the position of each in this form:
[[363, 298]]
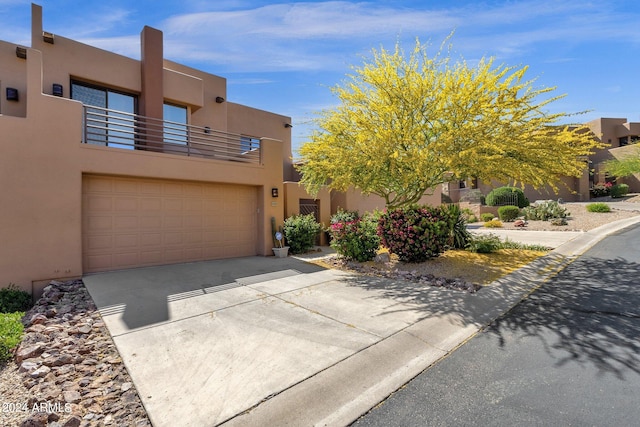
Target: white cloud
[[315, 35]]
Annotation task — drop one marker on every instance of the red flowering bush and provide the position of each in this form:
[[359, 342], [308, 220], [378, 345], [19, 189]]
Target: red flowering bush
[[414, 233], [354, 237], [601, 190]]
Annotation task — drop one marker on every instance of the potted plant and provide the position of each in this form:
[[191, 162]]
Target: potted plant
[[280, 251]]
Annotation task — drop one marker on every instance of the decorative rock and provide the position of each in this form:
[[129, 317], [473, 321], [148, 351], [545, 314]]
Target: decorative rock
[[38, 319], [74, 421], [40, 372], [28, 366], [383, 257], [84, 329], [63, 359], [71, 396], [29, 352], [62, 344], [38, 419]]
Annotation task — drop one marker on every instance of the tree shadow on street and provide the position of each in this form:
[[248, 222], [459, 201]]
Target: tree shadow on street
[[588, 313]]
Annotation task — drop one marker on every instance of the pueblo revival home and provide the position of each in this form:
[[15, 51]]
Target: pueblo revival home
[[107, 162]]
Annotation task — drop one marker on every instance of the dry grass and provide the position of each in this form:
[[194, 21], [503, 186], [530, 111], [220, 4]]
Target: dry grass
[[474, 267]]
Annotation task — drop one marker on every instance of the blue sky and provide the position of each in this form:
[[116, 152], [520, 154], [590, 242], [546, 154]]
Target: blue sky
[[284, 56]]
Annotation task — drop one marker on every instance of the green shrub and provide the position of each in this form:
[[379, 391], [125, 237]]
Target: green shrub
[[354, 237], [458, 233], [414, 233], [13, 299], [484, 243], [544, 211], [619, 190], [508, 213], [598, 207], [487, 216], [507, 196], [301, 232], [344, 216], [472, 219], [494, 223], [510, 244], [10, 333]]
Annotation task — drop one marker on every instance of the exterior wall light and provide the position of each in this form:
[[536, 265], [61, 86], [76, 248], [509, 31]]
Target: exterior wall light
[[21, 52], [288, 125], [274, 192], [12, 94], [57, 89], [219, 99], [47, 37], [207, 129]]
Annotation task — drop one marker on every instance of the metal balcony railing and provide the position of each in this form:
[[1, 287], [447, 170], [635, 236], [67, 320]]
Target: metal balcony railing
[[123, 130]]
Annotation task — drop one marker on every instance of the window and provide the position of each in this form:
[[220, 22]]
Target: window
[[248, 143], [113, 127], [175, 124]]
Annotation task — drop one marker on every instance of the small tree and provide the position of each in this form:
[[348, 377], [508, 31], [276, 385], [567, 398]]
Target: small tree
[[406, 124]]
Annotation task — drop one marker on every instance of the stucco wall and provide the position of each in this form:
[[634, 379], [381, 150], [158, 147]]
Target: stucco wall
[[41, 165]]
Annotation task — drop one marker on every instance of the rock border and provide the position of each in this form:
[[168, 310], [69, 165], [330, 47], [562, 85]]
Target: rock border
[[70, 365]]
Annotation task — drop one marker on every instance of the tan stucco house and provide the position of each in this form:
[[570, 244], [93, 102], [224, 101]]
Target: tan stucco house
[[108, 162]]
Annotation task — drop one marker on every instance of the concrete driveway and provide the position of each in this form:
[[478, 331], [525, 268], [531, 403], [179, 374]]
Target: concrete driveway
[[205, 342], [279, 341]]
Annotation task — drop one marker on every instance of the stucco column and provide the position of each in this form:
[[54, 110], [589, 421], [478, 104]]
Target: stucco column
[[152, 96]]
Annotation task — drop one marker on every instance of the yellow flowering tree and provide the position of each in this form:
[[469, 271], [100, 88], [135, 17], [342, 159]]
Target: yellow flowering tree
[[407, 124]]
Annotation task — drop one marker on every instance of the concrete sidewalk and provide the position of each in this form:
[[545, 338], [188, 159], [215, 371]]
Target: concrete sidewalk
[[268, 341]]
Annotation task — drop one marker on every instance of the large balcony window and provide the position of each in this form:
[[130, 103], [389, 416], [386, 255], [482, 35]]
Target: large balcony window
[[117, 107]]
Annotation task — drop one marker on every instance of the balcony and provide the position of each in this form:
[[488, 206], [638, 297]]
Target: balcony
[[120, 130]]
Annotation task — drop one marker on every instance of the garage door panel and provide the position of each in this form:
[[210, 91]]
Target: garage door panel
[[99, 223], [151, 257], [126, 204], [123, 222], [99, 202], [131, 222], [100, 242]]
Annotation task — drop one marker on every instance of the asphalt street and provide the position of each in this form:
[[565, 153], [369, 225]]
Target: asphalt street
[[569, 354]]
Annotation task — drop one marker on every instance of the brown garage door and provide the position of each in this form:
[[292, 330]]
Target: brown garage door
[[135, 222]]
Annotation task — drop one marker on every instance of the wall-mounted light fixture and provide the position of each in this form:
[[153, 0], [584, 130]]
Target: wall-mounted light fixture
[[219, 99], [12, 94], [274, 192], [288, 125], [47, 37], [207, 129], [57, 89], [21, 52]]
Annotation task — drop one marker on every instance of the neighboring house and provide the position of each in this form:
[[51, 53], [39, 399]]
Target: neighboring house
[[622, 138], [107, 162]]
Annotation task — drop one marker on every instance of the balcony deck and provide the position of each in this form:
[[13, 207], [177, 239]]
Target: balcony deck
[[121, 130]]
